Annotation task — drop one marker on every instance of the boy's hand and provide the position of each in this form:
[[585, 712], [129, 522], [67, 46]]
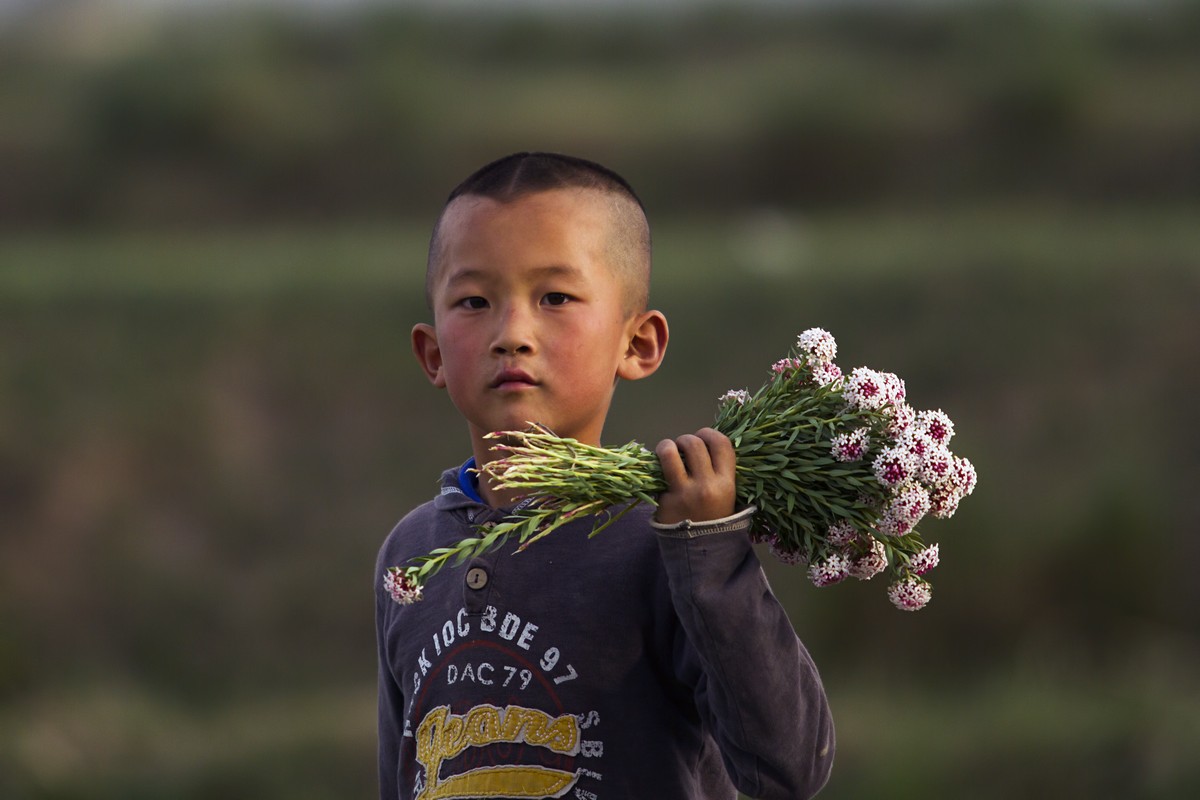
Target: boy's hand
[[699, 470]]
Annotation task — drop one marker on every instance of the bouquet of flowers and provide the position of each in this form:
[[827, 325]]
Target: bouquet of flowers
[[840, 467]]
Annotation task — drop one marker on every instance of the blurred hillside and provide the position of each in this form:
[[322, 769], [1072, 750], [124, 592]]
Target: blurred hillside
[[248, 116], [212, 233]]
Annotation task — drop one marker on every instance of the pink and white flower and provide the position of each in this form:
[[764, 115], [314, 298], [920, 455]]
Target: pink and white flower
[[891, 523], [864, 389], [937, 425], [925, 560], [739, 396], [819, 344], [841, 534], [784, 365], [937, 466], [902, 418], [871, 563], [893, 388], [852, 446], [826, 374], [910, 503], [910, 594], [835, 568], [943, 500], [398, 585], [895, 465], [916, 441], [964, 476]]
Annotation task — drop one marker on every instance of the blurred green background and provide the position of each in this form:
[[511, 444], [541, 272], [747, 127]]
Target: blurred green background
[[212, 229]]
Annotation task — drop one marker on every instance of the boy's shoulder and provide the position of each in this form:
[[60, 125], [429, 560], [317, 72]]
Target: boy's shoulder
[[421, 521]]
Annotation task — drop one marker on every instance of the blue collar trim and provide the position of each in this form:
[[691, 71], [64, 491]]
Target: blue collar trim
[[468, 481]]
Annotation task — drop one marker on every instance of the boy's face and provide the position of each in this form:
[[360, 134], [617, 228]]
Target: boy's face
[[530, 317]]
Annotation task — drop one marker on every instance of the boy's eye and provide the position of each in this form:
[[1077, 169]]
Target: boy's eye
[[473, 302], [556, 299]]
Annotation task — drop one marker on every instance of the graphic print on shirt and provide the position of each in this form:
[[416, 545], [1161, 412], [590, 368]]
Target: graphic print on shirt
[[517, 740]]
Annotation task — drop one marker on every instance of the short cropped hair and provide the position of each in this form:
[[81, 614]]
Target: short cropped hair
[[515, 176]]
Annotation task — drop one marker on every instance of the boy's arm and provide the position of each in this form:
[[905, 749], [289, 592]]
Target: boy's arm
[[758, 690]]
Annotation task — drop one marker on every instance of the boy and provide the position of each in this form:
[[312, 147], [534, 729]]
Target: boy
[[650, 662]]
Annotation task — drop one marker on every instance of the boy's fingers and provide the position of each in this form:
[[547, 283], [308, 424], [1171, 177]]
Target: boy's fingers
[[720, 450], [674, 472], [692, 456], [694, 451]]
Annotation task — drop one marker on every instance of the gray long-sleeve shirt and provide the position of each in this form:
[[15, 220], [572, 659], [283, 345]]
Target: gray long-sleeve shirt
[[637, 664]]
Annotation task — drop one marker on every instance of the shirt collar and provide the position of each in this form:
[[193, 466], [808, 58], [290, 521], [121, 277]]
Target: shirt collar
[[468, 480]]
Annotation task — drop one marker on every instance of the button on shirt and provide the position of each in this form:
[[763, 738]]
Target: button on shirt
[[477, 577]]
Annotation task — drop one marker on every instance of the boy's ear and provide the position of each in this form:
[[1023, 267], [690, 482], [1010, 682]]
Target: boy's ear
[[429, 354], [647, 346]]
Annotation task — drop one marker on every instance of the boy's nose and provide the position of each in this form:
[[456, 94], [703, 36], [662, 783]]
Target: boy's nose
[[514, 335], [504, 348]]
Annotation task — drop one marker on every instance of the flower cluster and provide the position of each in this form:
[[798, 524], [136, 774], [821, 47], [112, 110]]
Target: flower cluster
[[915, 475], [400, 587], [840, 467]]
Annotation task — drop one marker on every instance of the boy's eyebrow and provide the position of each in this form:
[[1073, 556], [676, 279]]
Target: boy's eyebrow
[[548, 271]]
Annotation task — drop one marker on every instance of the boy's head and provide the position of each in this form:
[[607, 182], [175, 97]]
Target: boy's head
[[520, 174], [537, 278]]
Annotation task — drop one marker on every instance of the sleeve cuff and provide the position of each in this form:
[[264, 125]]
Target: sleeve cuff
[[687, 529]]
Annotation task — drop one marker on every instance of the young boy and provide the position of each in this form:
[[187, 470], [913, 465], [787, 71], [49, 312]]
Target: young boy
[[652, 661]]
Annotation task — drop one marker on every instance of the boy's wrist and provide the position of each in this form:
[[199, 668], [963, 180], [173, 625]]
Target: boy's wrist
[[687, 529]]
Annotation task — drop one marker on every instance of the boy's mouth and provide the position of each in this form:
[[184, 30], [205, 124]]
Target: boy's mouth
[[513, 379]]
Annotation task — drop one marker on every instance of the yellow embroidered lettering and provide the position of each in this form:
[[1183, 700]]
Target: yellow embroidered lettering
[[429, 746], [442, 736], [483, 725]]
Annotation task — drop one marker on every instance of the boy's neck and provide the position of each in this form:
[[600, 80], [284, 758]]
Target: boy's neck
[[496, 498]]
